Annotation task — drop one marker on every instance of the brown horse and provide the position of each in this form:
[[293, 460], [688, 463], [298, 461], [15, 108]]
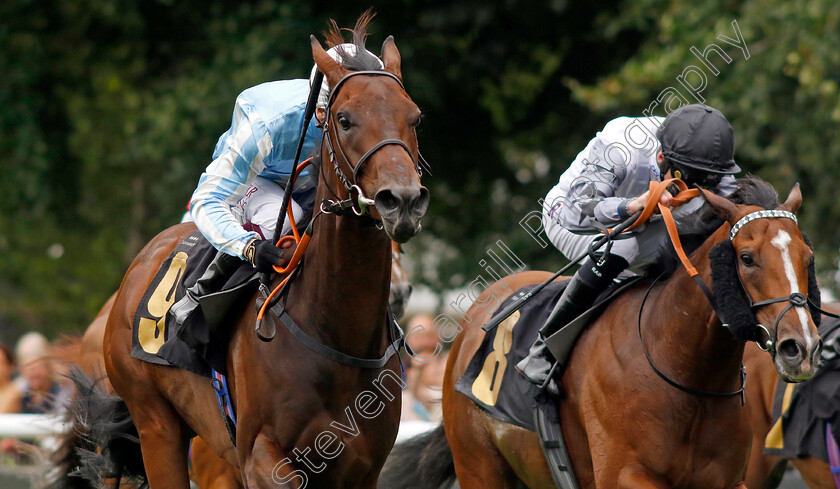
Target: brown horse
[[765, 471], [624, 426], [208, 470], [289, 400]]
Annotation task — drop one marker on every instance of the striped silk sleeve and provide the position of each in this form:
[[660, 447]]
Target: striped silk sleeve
[[238, 159]]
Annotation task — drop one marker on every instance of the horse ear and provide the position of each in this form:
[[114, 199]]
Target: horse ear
[[328, 66], [793, 201], [391, 57], [725, 208]]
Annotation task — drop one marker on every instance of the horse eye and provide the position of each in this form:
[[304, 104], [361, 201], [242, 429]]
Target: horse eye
[[417, 120], [747, 259], [344, 122]]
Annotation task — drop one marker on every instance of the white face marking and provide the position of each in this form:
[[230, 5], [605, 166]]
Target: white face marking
[[781, 241]]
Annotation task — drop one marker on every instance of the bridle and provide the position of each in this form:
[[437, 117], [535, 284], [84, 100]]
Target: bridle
[[796, 299], [357, 200]]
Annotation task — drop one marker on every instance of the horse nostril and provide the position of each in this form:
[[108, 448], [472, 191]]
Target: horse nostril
[[815, 355], [790, 349], [386, 201], [421, 203]]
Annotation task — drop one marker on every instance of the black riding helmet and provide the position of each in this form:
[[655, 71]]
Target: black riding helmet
[[698, 143]]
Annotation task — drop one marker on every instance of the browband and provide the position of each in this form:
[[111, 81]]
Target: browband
[[764, 214]]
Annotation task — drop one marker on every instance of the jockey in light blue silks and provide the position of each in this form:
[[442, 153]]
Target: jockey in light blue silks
[[607, 183], [239, 195]]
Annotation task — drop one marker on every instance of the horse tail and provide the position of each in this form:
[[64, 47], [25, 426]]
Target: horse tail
[[102, 445], [423, 462], [67, 350]]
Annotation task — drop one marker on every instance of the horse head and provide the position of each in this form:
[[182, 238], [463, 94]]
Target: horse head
[[369, 132], [772, 261]]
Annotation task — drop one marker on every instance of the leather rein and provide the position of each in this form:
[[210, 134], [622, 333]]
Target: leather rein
[[796, 299], [358, 203]]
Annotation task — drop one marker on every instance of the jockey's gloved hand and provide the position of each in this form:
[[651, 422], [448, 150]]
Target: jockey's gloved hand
[[263, 255]]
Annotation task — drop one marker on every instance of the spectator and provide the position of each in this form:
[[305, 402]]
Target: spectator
[[41, 392], [424, 371], [9, 393], [428, 389]]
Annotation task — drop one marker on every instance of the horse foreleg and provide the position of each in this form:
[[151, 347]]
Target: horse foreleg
[[815, 472], [164, 446]]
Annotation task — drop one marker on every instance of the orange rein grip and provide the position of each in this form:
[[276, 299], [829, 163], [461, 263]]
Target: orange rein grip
[[302, 243], [685, 194], [656, 190]]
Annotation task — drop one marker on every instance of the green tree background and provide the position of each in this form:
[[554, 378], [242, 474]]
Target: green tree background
[[109, 111]]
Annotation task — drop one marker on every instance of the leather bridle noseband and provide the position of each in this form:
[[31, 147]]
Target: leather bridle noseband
[[796, 299], [357, 200]]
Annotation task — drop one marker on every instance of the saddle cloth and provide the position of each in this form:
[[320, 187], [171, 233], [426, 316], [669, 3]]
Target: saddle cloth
[[201, 343], [491, 380], [801, 411]]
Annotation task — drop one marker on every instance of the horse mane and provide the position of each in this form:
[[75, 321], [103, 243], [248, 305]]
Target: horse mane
[[362, 59], [697, 227]]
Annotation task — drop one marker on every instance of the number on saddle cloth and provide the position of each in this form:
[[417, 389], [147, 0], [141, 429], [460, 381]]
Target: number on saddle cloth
[[201, 342], [490, 379]]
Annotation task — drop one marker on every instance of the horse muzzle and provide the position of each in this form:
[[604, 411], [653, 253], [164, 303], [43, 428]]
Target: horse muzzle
[[794, 362], [401, 209]]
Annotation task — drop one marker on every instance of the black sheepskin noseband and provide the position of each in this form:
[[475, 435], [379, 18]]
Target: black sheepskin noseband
[[729, 295], [731, 301]]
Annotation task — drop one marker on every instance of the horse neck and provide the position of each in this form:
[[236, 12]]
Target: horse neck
[[684, 321], [341, 295]]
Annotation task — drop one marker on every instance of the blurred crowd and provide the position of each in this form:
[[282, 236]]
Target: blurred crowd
[[29, 383], [424, 370]]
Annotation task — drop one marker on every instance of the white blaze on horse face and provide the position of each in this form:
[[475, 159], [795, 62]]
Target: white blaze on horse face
[[781, 241]]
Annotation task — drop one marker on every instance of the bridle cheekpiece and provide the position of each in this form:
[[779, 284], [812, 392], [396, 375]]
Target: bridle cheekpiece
[[357, 200]]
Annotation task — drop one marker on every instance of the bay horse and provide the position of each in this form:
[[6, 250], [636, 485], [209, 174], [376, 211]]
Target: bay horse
[[289, 400], [765, 471], [208, 470], [624, 426]]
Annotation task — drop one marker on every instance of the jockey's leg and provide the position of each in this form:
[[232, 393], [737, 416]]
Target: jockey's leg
[[260, 207], [257, 211], [593, 278]]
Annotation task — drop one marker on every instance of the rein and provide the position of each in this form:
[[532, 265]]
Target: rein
[[685, 194], [357, 200], [796, 299], [358, 203]]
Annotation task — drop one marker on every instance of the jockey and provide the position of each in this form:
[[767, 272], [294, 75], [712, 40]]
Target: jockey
[[607, 183], [239, 195]]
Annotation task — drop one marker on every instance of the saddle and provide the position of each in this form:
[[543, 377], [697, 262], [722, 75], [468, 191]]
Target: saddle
[[199, 344], [491, 381]]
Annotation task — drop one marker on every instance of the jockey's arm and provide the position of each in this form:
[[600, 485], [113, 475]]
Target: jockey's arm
[[585, 196], [224, 183]]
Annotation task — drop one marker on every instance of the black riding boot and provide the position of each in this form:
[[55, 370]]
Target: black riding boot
[[590, 280], [218, 272]]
